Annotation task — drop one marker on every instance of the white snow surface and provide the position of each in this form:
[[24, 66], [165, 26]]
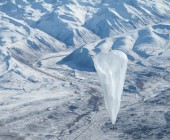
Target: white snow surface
[[111, 68], [49, 88]]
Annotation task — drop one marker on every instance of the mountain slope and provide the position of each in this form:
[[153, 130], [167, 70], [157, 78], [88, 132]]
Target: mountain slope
[[114, 18], [48, 85], [77, 23], [139, 45]]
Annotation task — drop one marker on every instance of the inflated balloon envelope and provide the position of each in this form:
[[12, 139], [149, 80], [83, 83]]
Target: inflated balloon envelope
[[111, 68]]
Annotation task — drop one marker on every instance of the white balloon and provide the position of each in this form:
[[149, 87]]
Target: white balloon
[[111, 68]]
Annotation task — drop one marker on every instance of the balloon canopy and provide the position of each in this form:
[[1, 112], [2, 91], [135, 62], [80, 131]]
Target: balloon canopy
[[111, 68]]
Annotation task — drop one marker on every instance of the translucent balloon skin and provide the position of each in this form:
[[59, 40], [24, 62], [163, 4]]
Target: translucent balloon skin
[[111, 68]]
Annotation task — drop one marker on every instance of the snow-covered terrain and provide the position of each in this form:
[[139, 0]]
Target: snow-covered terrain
[[48, 85]]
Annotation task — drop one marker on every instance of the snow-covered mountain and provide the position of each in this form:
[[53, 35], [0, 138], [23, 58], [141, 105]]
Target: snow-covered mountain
[[76, 23], [139, 45], [48, 85]]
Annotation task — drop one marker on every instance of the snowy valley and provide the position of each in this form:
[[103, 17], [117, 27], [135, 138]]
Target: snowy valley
[[49, 88]]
